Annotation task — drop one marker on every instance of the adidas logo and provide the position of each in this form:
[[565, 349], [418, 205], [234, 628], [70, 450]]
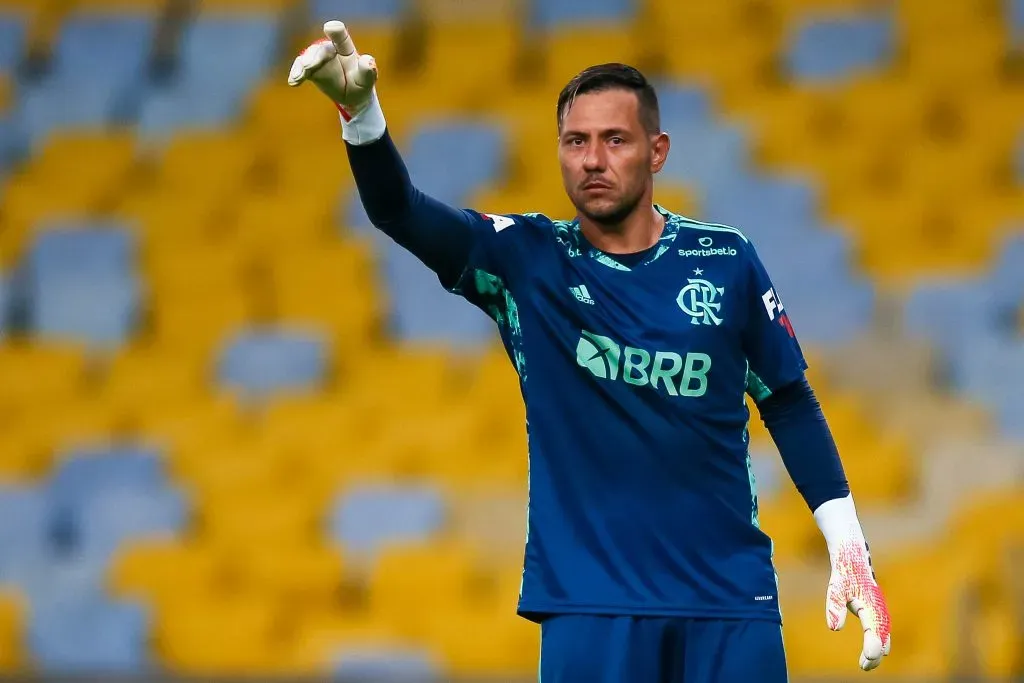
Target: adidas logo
[[581, 294]]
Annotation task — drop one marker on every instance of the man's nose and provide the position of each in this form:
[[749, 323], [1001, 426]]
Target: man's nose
[[593, 159]]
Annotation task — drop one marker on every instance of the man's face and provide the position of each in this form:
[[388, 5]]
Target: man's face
[[607, 157]]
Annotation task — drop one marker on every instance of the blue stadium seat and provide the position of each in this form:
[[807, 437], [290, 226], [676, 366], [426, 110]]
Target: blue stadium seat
[[57, 580], [1016, 12], [259, 363], [830, 47], [81, 284], [228, 52], [24, 518], [366, 518], [953, 315], [86, 473], [567, 13], [101, 313], [12, 40], [1006, 282], [106, 521], [14, 143], [705, 155], [383, 664], [473, 154], [422, 311], [992, 371], [357, 11], [764, 207], [196, 107], [99, 62], [5, 303], [684, 105], [83, 249], [827, 310], [90, 637]]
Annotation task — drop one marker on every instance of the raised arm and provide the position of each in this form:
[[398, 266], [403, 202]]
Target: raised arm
[[441, 236]]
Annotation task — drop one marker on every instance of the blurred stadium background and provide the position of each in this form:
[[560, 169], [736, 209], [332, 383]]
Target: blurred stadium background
[[244, 435]]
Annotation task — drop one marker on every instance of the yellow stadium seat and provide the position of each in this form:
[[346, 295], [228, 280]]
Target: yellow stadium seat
[[784, 517], [197, 424], [881, 469], [310, 286], [406, 598], [232, 466], [219, 635], [119, 6], [964, 59], [6, 92], [988, 522], [206, 163], [25, 454], [12, 629], [167, 218], [897, 121], [148, 379], [280, 515], [738, 71], [569, 51], [246, 6], [485, 642], [270, 223], [300, 575], [160, 571], [462, 42], [200, 327], [40, 373]]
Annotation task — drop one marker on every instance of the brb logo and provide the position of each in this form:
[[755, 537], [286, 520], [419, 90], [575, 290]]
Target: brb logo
[[604, 358], [699, 300]]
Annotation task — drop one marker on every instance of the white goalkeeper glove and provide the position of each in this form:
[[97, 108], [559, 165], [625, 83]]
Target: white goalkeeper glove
[[345, 76], [852, 587]]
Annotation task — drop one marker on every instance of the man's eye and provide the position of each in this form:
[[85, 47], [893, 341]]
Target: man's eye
[[616, 140], [576, 142]]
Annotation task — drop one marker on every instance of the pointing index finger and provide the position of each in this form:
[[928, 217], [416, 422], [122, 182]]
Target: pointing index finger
[[338, 33]]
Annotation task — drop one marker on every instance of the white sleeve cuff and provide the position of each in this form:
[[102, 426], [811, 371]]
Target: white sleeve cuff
[[367, 126], [838, 522]]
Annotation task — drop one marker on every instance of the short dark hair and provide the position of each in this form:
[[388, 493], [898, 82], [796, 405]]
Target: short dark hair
[[613, 76]]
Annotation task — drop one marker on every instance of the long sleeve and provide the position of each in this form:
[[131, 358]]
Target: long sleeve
[[795, 421], [439, 235]]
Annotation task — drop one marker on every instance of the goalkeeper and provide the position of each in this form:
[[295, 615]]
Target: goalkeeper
[[636, 334]]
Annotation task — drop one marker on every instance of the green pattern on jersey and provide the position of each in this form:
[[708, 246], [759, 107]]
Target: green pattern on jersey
[[759, 391], [502, 308]]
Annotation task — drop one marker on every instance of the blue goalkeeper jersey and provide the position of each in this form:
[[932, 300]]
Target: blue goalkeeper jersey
[[634, 372]]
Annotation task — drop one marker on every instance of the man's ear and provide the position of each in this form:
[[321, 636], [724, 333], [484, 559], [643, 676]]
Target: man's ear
[[660, 145]]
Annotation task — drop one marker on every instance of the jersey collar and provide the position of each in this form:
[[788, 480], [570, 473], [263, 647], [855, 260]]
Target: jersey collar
[[570, 235]]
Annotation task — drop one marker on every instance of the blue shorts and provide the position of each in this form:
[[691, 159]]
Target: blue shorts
[[622, 649]]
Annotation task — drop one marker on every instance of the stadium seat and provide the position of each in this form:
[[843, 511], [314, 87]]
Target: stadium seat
[[422, 311], [1006, 281], [125, 513], [712, 153], [764, 207], [24, 519], [950, 314], [366, 518], [158, 570], [684, 104], [831, 47], [260, 363], [99, 61], [84, 474], [57, 580], [565, 13], [90, 637], [357, 11], [398, 664], [1016, 21], [12, 626], [474, 154], [5, 303], [102, 314], [228, 52], [12, 40], [40, 374]]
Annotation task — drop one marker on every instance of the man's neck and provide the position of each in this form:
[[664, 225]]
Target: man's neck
[[640, 230]]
